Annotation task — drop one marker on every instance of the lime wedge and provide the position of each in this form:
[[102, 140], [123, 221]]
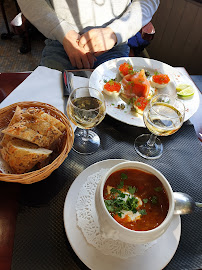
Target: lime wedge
[[186, 92], [181, 87]]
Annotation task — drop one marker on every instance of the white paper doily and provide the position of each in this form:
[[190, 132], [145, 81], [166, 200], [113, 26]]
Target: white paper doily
[[87, 220]]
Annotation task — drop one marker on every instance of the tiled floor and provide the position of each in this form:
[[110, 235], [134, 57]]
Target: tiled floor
[[10, 59]]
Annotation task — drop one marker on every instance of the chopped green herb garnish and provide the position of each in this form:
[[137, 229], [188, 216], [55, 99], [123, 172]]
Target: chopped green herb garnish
[[111, 81], [132, 190], [124, 176], [120, 214], [131, 100], [122, 195], [109, 205], [136, 70], [143, 212], [117, 204], [121, 184], [133, 109], [112, 104], [145, 200], [113, 190], [158, 189], [154, 200], [132, 203], [157, 72], [117, 191]]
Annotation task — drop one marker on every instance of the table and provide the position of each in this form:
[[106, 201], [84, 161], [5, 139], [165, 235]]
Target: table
[[11, 194]]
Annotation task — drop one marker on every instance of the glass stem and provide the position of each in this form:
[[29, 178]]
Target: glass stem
[[85, 133], [151, 140]]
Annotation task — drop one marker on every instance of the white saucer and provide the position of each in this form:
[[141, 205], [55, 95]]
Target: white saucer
[[156, 257]]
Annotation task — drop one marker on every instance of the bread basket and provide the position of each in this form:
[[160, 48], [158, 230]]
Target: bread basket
[[6, 114]]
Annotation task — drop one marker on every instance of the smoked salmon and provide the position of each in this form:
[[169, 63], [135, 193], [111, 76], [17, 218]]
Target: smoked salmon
[[136, 85]]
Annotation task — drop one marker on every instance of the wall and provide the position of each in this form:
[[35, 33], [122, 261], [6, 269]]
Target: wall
[[178, 38]]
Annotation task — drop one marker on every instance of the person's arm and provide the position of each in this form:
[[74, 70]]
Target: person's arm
[[98, 40], [44, 18], [77, 55], [137, 15]]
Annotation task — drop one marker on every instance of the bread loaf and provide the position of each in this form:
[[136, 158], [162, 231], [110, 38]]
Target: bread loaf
[[22, 156], [17, 117], [37, 131], [34, 114]]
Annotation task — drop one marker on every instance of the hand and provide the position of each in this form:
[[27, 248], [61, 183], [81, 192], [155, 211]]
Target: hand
[[98, 40], [78, 56]]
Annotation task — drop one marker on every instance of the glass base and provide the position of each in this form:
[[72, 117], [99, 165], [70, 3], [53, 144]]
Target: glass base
[[146, 151], [85, 145]]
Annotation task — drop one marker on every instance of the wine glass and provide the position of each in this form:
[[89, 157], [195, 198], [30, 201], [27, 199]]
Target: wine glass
[[163, 116], [86, 109]]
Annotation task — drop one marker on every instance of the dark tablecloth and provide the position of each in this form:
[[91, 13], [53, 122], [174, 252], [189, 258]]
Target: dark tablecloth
[[40, 239]]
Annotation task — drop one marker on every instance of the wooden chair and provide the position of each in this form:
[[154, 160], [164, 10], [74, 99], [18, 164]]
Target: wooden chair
[[22, 27], [9, 34]]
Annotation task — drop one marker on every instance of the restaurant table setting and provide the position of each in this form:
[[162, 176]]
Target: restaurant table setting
[[57, 224]]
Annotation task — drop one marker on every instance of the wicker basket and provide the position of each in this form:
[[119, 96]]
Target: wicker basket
[[38, 175]]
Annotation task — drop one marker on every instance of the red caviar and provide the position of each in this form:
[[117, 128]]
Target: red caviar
[[141, 103], [112, 86], [161, 78], [125, 69]]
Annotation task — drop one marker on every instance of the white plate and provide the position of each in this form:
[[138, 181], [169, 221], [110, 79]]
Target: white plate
[[109, 70], [156, 257]]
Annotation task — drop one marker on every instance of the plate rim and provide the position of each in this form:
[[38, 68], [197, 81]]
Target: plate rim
[[141, 124], [82, 179]]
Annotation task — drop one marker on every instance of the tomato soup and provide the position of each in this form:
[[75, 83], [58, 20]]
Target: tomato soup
[[136, 199]]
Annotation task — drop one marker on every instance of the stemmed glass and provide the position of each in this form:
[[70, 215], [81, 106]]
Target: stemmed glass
[[86, 109], [163, 116]]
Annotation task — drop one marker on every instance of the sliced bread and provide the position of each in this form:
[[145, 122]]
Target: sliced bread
[[22, 156], [38, 132], [34, 114], [17, 117]]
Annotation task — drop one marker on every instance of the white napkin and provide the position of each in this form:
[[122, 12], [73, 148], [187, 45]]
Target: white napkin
[[44, 85]]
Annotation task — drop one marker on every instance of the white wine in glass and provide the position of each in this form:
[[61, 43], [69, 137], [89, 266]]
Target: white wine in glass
[[86, 109], [163, 116]]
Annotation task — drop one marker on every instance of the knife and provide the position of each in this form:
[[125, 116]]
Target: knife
[[67, 79]]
